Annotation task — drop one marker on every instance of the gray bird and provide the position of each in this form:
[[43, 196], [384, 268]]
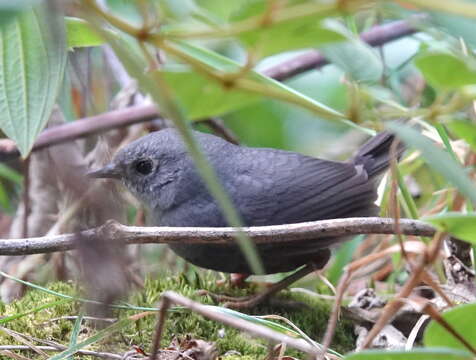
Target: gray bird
[[267, 187]]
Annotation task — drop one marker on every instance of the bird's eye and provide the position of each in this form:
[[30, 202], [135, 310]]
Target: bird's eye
[[144, 167]]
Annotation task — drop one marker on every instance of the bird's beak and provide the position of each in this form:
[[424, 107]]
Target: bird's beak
[[109, 171]]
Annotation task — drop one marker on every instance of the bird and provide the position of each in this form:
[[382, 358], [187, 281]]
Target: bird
[[267, 187]]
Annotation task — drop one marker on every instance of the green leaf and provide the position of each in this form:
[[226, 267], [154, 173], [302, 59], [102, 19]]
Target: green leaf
[[101, 334], [462, 226], [437, 159], [32, 63], [464, 130], [461, 318], [80, 33], [217, 98], [446, 71], [415, 354], [354, 56]]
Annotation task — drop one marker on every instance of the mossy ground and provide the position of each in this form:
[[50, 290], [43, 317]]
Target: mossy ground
[[48, 323]]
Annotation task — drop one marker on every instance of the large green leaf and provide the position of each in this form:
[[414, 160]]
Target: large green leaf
[[462, 226], [32, 62], [354, 56], [415, 354], [201, 95], [446, 71], [436, 158], [461, 319]]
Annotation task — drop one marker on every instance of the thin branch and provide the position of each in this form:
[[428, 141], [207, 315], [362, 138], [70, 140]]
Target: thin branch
[[323, 230], [376, 36]]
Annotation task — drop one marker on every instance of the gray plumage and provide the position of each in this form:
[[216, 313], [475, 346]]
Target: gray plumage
[[267, 187]]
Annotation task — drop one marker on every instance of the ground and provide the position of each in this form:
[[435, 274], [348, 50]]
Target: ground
[[47, 319]]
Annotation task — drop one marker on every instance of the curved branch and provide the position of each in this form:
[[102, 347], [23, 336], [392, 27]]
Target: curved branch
[[113, 231], [376, 36]]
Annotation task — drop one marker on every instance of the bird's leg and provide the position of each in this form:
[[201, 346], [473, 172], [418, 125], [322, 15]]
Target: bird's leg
[[252, 300], [236, 280]]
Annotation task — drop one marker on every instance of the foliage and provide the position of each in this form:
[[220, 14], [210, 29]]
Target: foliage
[[201, 59]]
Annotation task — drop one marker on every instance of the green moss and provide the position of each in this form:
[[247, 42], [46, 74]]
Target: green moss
[[310, 316], [45, 323]]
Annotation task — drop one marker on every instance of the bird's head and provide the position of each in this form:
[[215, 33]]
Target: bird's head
[[148, 165]]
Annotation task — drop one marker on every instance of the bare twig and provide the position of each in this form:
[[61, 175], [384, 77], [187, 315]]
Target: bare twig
[[324, 230], [393, 306], [376, 36], [26, 196], [164, 306]]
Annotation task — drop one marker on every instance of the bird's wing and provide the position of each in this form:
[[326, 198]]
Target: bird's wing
[[278, 187]]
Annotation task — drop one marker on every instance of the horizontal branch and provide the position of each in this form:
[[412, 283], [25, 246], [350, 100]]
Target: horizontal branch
[[189, 235], [376, 36]]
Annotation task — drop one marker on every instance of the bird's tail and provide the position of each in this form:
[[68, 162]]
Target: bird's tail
[[375, 154]]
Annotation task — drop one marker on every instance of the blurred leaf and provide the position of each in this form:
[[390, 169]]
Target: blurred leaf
[[75, 332], [354, 56], [126, 9], [446, 71], [342, 257], [4, 200], [101, 334], [80, 33], [18, 315], [415, 354], [217, 98], [8, 173], [458, 26], [299, 33], [464, 130], [461, 318], [436, 158], [33, 54], [10, 9], [220, 8], [462, 226], [200, 97], [459, 7]]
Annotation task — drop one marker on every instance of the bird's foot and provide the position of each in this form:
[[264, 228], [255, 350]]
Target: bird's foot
[[253, 300], [235, 280]]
